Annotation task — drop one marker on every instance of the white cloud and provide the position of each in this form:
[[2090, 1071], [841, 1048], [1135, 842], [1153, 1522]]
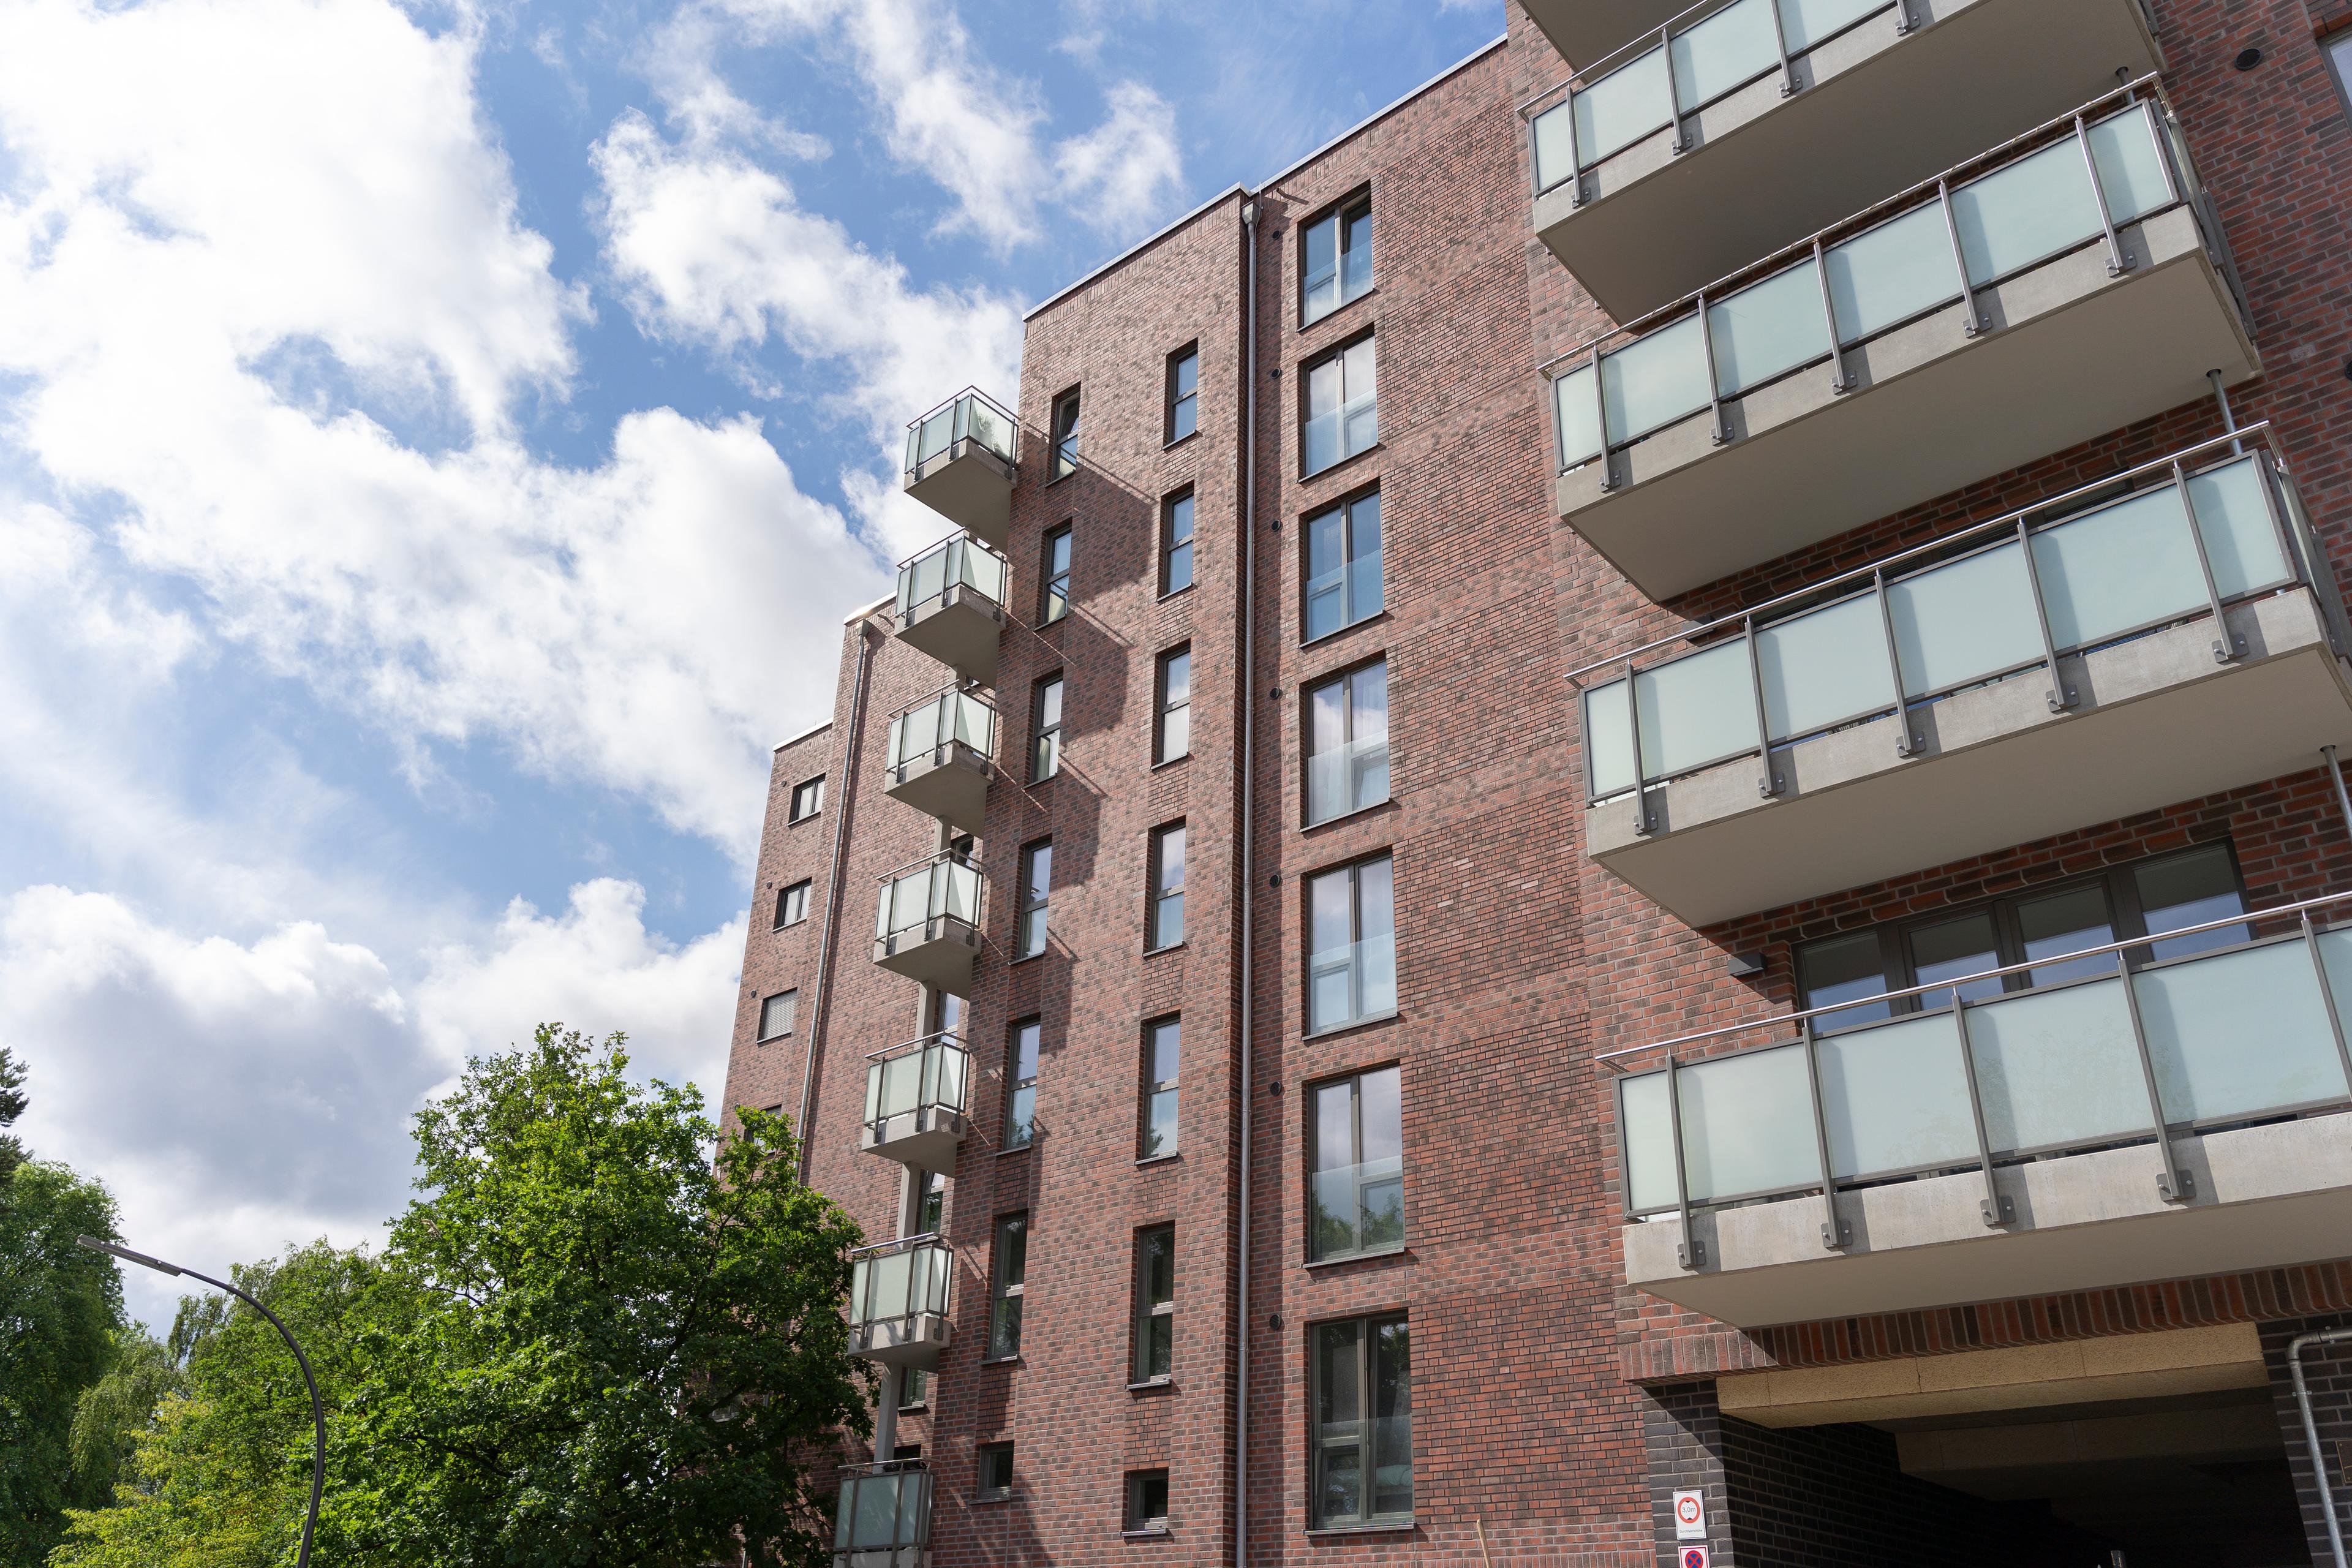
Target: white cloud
[[1127, 170]]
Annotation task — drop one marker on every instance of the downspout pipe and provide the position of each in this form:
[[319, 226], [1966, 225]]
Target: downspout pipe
[[2335, 772], [2310, 1432], [1249, 874], [847, 796]]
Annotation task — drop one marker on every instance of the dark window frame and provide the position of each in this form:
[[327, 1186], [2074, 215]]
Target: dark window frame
[[1345, 507], [1181, 408], [1054, 603], [813, 791], [2335, 53], [1151, 1087], [1020, 1133], [1338, 214], [1367, 1327], [987, 1488], [1146, 1311], [1042, 767], [1007, 1295], [1025, 905], [790, 1024], [1161, 708], [1309, 1098], [1188, 500], [804, 887], [1135, 1509], [1336, 353], [1344, 677], [1353, 869], [1063, 436], [1156, 895]]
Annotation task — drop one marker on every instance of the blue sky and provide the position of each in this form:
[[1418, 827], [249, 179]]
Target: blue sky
[[438, 447]]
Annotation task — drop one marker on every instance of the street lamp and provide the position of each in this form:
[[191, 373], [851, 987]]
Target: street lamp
[[318, 1411]]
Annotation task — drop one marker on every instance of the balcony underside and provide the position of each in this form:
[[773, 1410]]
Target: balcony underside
[[950, 782], [1876, 110], [2156, 721], [901, 1341], [1584, 30], [927, 1138], [2265, 1197], [959, 628], [2072, 353], [969, 485], [939, 954]]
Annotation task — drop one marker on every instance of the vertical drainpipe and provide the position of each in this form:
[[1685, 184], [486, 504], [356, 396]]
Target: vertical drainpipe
[[846, 798], [1249, 888]]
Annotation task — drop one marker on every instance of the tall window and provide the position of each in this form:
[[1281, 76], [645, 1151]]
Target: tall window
[[1020, 1084], [1363, 1422], [808, 799], [1343, 406], [2339, 56], [791, 904], [1055, 557], [1006, 1287], [777, 1014], [1065, 435], [1176, 542], [1337, 259], [1163, 1048], [1165, 920], [933, 1212], [1343, 566], [1147, 1502], [1155, 1302], [1357, 1200], [1352, 920], [1183, 391], [1045, 725], [1174, 705], [1036, 883], [1347, 742]]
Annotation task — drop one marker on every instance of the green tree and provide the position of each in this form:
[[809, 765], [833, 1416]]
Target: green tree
[[12, 1106], [611, 1351], [115, 1409], [60, 1308]]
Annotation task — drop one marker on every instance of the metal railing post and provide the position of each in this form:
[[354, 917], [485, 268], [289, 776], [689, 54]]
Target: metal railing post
[[1837, 1235], [1996, 1208], [1769, 785], [2062, 696], [1780, 41], [1601, 423], [1971, 324], [1828, 315], [1713, 381], [1575, 159], [2174, 1186], [1674, 91], [1692, 1253], [1904, 740], [2327, 998], [1641, 772], [2225, 646], [2118, 262]]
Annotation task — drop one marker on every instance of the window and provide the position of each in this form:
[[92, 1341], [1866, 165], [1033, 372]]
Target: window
[[1183, 391], [1343, 408], [1065, 436], [1163, 1046], [1147, 1502], [2047, 926], [1155, 1303], [995, 1477], [1055, 557], [1021, 1085], [1352, 920], [1046, 738], [932, 1213], [914, 1390], [1337, 260], [1164, 921], [791, 904], [1343, 566], [1363, 1423], [1176, 542], [2339, 55], [777, 1013], [1173, 737], [808, 799], [1356, 1199], [1006, 1287], [1036, 882], [1347, 742]]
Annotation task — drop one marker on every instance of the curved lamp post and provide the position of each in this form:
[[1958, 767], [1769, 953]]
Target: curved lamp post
[[318, 1411]]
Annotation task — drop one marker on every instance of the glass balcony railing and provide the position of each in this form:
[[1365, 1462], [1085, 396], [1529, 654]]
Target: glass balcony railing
[[959, 564], [1358, 1208], [2192, 534], [1344, 595], [926, 1074], [1351, 983], [1343, 432], [945, 888], [921, 734], [970, 415], [1348, 777], [2252, 1030], [894, 1284], [885, 1517]]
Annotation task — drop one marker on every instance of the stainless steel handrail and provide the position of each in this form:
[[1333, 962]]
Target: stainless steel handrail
[[954, 398]]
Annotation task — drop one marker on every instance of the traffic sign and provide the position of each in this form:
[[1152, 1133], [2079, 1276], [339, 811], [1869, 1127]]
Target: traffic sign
[[1690, 1517], [1693, 1557]]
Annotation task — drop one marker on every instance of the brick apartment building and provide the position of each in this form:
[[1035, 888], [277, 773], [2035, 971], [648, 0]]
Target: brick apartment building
[[1334, 1082]]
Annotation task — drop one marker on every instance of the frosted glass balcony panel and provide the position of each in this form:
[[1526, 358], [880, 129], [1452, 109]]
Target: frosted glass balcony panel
[[2233, 518], [2237, 1034], [1578, 419], [1748, 1124], [1895, 1098], [2034, 208], [1555, 159], [1608, 740], [1769, 330], [962, 891], [1964, 620], [987, 425], [1805, 23], [1654, 381], [1825, 667], [1696, 711], [1649, 1139], [1894, 272], [1728, 49], [1621, 108], [2057, 1068], [2132, 175], [2120, 567]]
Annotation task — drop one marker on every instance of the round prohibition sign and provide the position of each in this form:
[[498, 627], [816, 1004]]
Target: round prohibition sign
[[1693, 1557], [1686, 1512]]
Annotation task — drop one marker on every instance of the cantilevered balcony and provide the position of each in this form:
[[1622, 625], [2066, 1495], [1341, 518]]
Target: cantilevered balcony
[[927, 925], [2007, 310], [960, 460], [915, 1102], [899, 1300], [1584, 30], [2040, 672], [951, 606], [2181, 1118], [1742, 125], [938, 751], [885, 1516]]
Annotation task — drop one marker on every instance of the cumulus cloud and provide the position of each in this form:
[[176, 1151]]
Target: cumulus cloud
[[1127, 170]]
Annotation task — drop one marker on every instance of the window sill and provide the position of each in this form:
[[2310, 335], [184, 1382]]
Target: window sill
[[1049, 778], [1176, 593], [1026, 958], [1155, 1532], [1020, 1148], [1149, 1159], [1318, 825], [1156, 951], [920, 1409], [1151, 1384], [1374, 618], [1337, 310], [1336, 1259], [1388, 1527], [1001, 1361], [1053, 479], [796, 821], [979, 1498], [1171, 762], [789, 924], [771, 1039], [1330, 1030], [1192, 435], [1335, 468]]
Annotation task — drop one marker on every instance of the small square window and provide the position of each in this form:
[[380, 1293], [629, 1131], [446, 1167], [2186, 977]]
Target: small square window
[[1147, 1501], [1183, 391], [914, 1389], [1176, 542], [1054, 561], [995, 1478], [777, 1014], [791, 904], [808, 799]]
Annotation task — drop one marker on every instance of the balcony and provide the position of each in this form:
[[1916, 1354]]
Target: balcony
[[914, 1102], [885, 1516], [898, 1301], [951, 606], [927, 925], [1587, 29], [960, 462], [2008, 310], [938, 751], [1744, 124], [2038, 672], [2173, 1118]]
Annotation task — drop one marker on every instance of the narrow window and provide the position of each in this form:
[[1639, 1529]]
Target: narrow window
[[1045, 740], [1166, 918], [1363, 1422], [1147, 1502], [777, 1013], [995, 1477], [1155, 1303], [808, 798], [1176, 542], [1055, 560], [1006, 1287], [931, 1214], [914, 1389], [1356, 1201], [1343, 406], [1337, 262], [1036, 883], [1343, 566], [1021, 1085], [1163, 1047], [1065, 435], [1175, 706], [1347, 742], [791, 904], [2339, 57], [1351, 915], [1183, 391]]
